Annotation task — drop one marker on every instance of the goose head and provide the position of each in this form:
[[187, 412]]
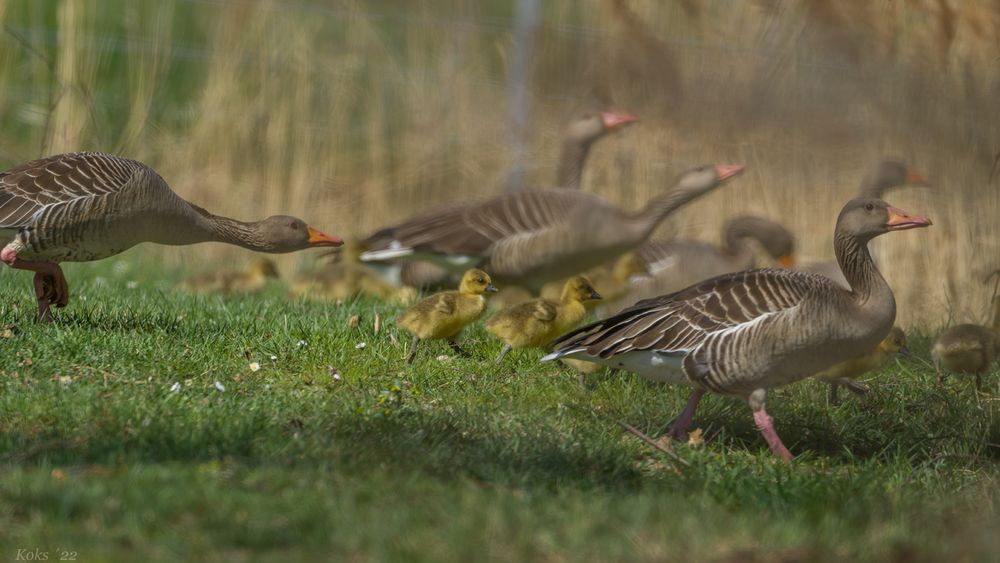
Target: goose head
[[866, 218], [591, 126], [282, 233], [476, 282], [707, 176], [778, 242], [890, 173], [578, 289]]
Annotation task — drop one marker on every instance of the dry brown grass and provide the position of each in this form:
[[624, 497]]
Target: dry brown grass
[[354, 114]]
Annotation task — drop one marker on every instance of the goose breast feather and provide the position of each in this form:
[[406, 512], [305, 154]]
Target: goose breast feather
[[731, 334]]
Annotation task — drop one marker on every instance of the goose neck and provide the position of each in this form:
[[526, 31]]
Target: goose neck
[[859, 269], [571, 161]]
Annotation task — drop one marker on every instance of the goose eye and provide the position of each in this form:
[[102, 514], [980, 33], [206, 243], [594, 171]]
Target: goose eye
[[293, 225], [869, 206]]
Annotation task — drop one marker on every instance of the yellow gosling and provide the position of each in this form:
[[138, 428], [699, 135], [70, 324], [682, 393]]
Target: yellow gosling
[[613, 283], [252, 280], [444, 314], [348, 278], [535, 323], [968, 348], [845, 373]]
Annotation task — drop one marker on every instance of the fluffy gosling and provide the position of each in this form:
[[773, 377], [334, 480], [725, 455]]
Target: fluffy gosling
[[968, 348], [845, 373], [613, 283], [348, 278], [444, 314], [252, 280], [539, 321]]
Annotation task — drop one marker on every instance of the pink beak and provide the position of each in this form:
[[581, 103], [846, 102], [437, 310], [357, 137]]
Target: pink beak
[[613, 120], [727, 171], [316, 238], [900, 220]]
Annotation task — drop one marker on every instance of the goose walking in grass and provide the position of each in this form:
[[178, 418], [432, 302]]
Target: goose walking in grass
[[78, 207], [845, 373], [534, 323], [443, 315], [743, 333], [968, 348], [531, 237], [252, 280]]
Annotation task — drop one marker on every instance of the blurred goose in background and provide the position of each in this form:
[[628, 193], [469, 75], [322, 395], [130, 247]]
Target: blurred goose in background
[[881, 178], [78, 207], [534, 323], [676, 264], [252, 280], [741, 334], [578, 137], [845, 373], [531, 237], [348, 278], [968, 348], [444, 314]]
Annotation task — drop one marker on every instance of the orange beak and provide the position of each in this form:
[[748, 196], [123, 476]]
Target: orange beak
[[914, 178], [727, 171], [613, 120], [900, 220], [786, 261], [317, 238]]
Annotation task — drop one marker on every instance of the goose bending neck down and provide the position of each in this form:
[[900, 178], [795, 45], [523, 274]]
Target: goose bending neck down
[[78, 207], [743, 333], [531, 237]]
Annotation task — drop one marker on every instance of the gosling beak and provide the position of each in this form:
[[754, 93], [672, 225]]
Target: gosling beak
[[613, 120], [905, 352], [594, 294], [727, 171], [900, 220], [491, 289], [786, 261], [914, 178], [317, 238]]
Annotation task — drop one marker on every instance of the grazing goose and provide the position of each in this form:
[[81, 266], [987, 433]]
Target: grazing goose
[[578, 137], [251, 280], [882, 177], [742, 333], [535, 323], [444, 314], [85, 206], [968, 348], [676, 264], [531, 237], [845, 373]]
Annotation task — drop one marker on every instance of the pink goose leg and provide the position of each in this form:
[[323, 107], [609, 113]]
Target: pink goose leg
[[766, 425], [678, 430], [50, 284]]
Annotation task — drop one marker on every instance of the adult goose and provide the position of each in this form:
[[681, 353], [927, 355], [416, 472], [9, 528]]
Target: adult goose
[[85, 206], [885, 175], [578, 137], [676, 264], [531, 237], [743, 333]]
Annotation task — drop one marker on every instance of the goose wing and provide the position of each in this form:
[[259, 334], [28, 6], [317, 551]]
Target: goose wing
[[680, 322], [472, 228], [30, 187]]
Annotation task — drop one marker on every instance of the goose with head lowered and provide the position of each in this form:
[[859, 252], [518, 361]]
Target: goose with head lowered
[[78, 207], [531, 237], [743, 333]]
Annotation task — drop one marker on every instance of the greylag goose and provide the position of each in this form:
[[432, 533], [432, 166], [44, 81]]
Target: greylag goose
[[252, 280], [968, 348], [845, 373], [444, 314], [534, 323], [85, 206], [742, 333], [676, 264], [531, 237], [881, 178], [578, 137]]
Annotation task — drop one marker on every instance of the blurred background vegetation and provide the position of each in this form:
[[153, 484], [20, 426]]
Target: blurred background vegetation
[[352, 114]]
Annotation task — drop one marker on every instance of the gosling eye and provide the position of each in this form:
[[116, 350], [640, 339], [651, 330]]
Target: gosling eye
[[481, 280]]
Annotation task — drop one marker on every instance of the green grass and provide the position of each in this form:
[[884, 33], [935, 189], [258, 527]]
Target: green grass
[[442, 460]]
